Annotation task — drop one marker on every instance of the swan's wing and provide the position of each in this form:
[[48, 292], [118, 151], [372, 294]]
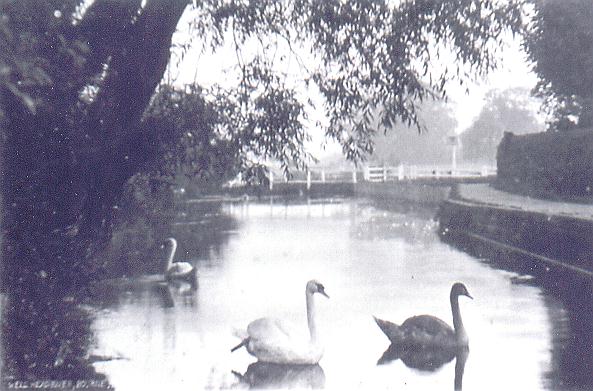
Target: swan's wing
[[272, 340], [269, 329], [427, 329], [179, 268]]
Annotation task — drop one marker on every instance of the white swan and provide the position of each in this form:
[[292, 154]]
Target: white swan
[[177, 270], [427, 331], [270, 341]]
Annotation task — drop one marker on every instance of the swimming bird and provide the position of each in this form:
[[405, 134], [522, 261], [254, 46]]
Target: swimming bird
[[427, 331], [178, 270], [270, 340]]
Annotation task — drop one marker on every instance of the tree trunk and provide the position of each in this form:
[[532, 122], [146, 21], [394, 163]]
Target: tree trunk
[[64, 169]]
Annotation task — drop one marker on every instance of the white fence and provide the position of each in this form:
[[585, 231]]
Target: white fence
[[403, 172], [318, 176], [386, 174]]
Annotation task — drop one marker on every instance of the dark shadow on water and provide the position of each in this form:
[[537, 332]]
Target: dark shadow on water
[[569, 302], [166, 294], [427, 359], [201, 230], [572, 345], [421, 358], [261, 375]]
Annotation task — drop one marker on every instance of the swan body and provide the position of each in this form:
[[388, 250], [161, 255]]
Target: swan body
[[274, 341], [177, 270], [427, 331]]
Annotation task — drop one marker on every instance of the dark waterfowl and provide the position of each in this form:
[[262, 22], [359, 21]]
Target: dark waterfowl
[[427, 331]]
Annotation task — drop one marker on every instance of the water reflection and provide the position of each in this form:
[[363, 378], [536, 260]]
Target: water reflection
[[572, 345], [569, 305], [201, 230], [418, 358], [114, 293], [426, 359], [262, 375], [460, 360], [253, 259]]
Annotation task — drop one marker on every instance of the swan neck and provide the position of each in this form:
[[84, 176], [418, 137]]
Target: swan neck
[[311, 316], [457, 322], [171, 254]]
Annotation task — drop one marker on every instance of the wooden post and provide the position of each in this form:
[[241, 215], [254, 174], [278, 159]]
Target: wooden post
[[384, 173], [308, 180], [322, 176], [271, 179], [400, 172], [354, 176]]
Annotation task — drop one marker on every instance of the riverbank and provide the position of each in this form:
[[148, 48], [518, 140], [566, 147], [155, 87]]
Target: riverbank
[[537, 236]]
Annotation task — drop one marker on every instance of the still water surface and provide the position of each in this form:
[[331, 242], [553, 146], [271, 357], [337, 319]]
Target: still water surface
[[256, 261]]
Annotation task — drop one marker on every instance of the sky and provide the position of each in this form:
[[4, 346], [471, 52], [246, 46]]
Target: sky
[[514, 71], [207, 69]]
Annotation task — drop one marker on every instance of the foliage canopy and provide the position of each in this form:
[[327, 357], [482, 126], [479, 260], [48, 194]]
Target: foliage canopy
[[76, 83], [560, 44]]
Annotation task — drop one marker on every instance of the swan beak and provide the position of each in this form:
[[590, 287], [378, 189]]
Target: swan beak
[[468, 295], [323, 293]]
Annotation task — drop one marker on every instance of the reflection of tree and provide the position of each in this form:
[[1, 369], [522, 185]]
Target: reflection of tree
[[45, 337], [201, 229], [572, 337], [204, 229]]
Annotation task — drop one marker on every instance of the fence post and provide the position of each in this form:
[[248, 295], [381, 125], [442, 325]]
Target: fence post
[[354, 176], [384, 173], [308, 180], [271, 179], [400, 172], [322, 176]]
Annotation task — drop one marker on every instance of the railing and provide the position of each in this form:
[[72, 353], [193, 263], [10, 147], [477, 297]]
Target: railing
[[403, 172], [318, 176], [374, 173]]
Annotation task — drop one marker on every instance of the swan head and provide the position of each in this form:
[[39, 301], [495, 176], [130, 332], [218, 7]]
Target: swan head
[[314, 286], [169, 242], [458, 289]]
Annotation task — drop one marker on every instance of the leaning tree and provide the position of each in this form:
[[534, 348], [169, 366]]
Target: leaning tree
[[77, 77]]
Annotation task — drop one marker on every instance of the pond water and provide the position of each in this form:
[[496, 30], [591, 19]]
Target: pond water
[[254, 259]]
